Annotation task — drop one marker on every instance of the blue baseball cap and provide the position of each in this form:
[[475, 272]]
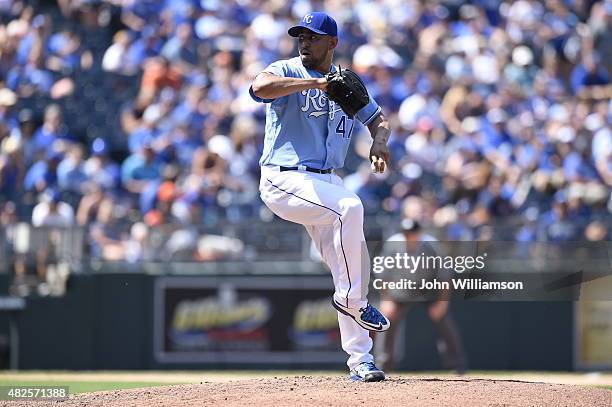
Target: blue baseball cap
[[53, 195], [318, 22]]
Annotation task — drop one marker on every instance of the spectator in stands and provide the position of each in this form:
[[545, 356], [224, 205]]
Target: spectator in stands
[[556, 225], [64, 51], [43, 174], [206, 179], [8, 99], [5, 132], [189, 208], [32, 78], [157, 74], [53, 130], [8, 219], [90, 204], [71, 174], [140, 168], [601, 146], [147, 45], [106, 234], [193, 111], [589, 72], [497, 107], [115, 59], [12, 169], [135, 15], [147, 132], [181, 47], [135, 246], [52, 212], [100, 169], [24, 134]]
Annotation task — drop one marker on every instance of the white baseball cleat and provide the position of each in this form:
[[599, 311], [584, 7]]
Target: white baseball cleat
[[368, 317]]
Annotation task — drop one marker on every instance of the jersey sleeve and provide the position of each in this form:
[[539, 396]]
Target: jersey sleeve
[[278, 68], [368, 112]]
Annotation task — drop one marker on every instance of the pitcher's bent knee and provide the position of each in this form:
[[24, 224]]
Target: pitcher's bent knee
[[351, 208]]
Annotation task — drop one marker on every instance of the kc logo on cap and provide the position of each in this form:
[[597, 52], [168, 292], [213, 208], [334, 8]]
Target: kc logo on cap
[[317, 22]]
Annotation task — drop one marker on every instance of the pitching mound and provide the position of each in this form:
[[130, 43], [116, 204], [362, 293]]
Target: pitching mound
[[338, 391]]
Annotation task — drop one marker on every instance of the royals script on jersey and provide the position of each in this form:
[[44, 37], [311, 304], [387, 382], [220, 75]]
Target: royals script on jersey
[[306, 128]]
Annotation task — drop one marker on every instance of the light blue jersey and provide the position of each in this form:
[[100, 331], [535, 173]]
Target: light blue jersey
[[305, 128]]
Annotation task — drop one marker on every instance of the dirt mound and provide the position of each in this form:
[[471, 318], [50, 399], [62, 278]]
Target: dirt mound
[[339, 391]]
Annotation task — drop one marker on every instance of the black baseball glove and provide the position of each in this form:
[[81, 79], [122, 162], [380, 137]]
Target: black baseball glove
[[346, 88]]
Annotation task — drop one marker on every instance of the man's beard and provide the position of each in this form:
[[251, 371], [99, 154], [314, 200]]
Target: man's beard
[[311, 62]]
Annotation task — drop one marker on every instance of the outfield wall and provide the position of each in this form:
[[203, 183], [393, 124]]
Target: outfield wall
[[147, 321]]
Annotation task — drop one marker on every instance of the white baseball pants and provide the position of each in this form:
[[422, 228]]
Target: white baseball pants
[[333, 217]]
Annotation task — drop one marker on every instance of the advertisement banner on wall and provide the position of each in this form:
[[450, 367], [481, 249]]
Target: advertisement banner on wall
[[247, 319]]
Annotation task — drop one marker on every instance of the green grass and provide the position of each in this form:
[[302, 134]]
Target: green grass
[[82, 387]]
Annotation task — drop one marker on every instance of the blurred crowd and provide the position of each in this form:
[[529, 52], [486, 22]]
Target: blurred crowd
[[500, 114]]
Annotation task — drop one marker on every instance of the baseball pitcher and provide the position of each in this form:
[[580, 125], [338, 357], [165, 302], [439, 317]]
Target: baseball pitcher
[[311, 109]]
